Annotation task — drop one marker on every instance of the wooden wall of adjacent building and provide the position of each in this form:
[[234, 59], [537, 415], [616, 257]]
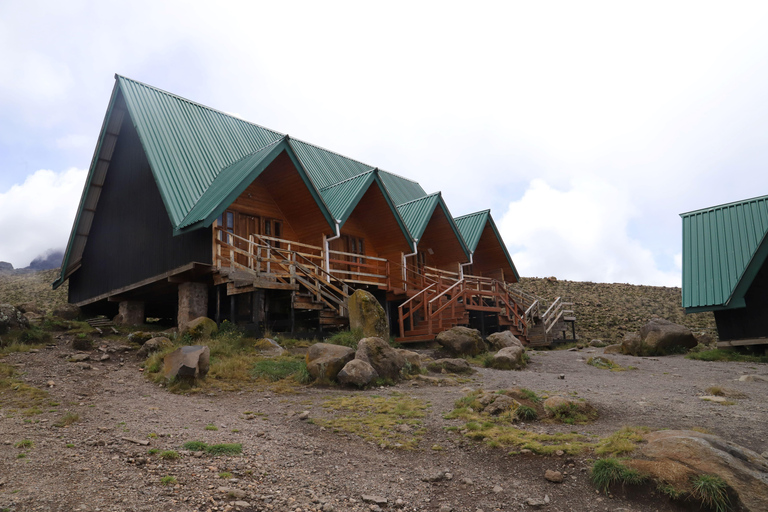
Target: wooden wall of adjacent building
[[440, 245], [489, 259]]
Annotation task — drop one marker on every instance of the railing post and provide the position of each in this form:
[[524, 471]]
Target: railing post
[[400, 321], [269, 259], [250, 252]]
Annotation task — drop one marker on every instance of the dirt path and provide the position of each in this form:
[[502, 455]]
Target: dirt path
[[289, 464]]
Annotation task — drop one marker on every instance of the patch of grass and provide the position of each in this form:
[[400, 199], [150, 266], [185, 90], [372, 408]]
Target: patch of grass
[[530, 395], [346, 338], [168, 480], [572, 413], [719, 354], [70, 445], [525, 413], [712, 491], [225, 474], [224, 449], [603, 363], [16, 393], [276, 369], [622, 442], [211, 427], [21, 456], [393, 422], [169, 455], [68, 419], [715, 391], [610, 471], [24, 443], [153, 451], [195, 446]]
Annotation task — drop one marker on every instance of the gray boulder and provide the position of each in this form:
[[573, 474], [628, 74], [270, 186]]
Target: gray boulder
[[658, 337], [11, 318], [461, 341], [67, 311], [501, 404], [367, 315], [200, 327], [503, 339], [357, 373], [153, 345], [191, 361], [412, 360], [686, 453], [325, 361], [268, 346], [509, 358], [450, 365], [381, 356]]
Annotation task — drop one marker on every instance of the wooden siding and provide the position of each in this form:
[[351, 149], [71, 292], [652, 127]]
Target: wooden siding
[[489, 259], [751, 321], [131, 237], [441, 239]]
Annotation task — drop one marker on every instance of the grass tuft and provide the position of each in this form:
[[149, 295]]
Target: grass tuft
[[24, 443], [346, 338], [168, 480], [169, 455], [224, 449], [610, 471], [68, 419], [194, 446], [622, 442], [712, 491]]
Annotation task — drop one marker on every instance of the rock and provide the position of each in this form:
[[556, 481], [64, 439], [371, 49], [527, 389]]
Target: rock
[[241, 504], [450, 365], [387, 361], [446, 508], [153, 345], [413, 360], [5, 266], [376, 500], [67, 312], [84, 344], [501, 404], [537, 503], [706, 340], [677, 455], [508, 358], [11, 318], [613, 349], [659, 337], [304, 415], [597, 343], [268, 346], [29, 307], [753, 378], [713, 398], [79, 358], [189, 362], [139, 337], [142, 442], [325, 361], [367, 315], [503, 339], [357, 373], [553, 476], [461, 341], [497, 489], [200, 327]]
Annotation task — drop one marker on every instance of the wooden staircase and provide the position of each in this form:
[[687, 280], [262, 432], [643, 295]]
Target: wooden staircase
[[544, 328]]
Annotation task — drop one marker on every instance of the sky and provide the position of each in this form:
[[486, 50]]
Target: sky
[[586, 127]]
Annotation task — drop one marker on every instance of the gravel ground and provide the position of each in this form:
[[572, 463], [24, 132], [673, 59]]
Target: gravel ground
[[290, 464]]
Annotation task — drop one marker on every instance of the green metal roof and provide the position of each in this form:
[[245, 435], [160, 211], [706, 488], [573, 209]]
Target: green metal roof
[[326, 167], [418, 213], [471, 227], [401, 189], [342, 197], [723, 249]]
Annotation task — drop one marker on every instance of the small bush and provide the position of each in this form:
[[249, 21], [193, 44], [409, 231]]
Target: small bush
[[195, 446], [211, 427], [608, 472], [224, 449], [712, 491], [346, 338], [168, 480], [68, 419], [525, 413], [225, 474], [24, 443], [530, 395], [153, 451], [169, 455]]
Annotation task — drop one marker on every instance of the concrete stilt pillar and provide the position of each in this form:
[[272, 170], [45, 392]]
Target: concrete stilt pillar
[[131, 312], [193, 302]]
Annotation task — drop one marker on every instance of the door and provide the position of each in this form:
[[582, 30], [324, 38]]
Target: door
[[245, 226]]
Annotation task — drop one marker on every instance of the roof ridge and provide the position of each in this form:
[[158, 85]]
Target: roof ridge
[[419, 199], [724, 205], [192, 102], [333, 152], [487, 210], [373, 169], [399, 176]]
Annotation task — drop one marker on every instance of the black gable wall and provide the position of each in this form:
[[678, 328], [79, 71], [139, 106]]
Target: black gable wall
[[131, 238], [749, 322]]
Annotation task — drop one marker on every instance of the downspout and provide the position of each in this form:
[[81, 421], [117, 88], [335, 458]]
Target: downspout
[[327, 251], [462, 265], [414, 253]]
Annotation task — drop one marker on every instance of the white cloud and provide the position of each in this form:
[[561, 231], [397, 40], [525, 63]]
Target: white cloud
[[38, 214], [580, 234]]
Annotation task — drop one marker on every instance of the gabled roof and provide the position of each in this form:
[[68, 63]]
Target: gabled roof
[[723, 249], [418, 213], [471, 227], [401, 189]]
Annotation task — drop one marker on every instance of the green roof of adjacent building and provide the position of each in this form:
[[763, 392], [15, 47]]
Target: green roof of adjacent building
[[418, 213], [401, 189], [723, 249], [471, 227]]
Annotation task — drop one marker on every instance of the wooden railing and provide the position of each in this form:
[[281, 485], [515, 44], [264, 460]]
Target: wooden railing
[[359, 268]]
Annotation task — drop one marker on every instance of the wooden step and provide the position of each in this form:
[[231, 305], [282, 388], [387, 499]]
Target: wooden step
[[416, 338], [308, 305], [335, 321]]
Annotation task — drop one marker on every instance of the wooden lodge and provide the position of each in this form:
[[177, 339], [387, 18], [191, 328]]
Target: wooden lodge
[[725, 249], [188, 212]]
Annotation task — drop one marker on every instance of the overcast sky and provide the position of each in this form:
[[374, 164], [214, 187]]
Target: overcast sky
[[586, 127]]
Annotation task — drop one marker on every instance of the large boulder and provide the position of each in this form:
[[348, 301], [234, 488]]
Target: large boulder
[[191, 361], [503, 339], [200, 327], [461, 341], [67, 312], [450, 365], [10, 318], [268, 346], [357, 373], [325, 361], [381, 356], [367, 315], [509, 358], [681, 454], [658, 337], [413, 360], [153, 345]]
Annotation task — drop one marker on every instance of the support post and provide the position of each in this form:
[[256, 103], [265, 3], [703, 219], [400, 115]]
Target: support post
[[193, 302]]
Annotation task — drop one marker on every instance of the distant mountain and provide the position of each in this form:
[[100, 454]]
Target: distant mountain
[[51, 258]]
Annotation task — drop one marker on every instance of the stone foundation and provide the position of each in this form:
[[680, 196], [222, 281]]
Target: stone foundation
[[131, 312], [193, 302]]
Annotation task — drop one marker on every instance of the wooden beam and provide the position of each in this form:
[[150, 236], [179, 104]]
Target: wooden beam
[[742, 343]]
